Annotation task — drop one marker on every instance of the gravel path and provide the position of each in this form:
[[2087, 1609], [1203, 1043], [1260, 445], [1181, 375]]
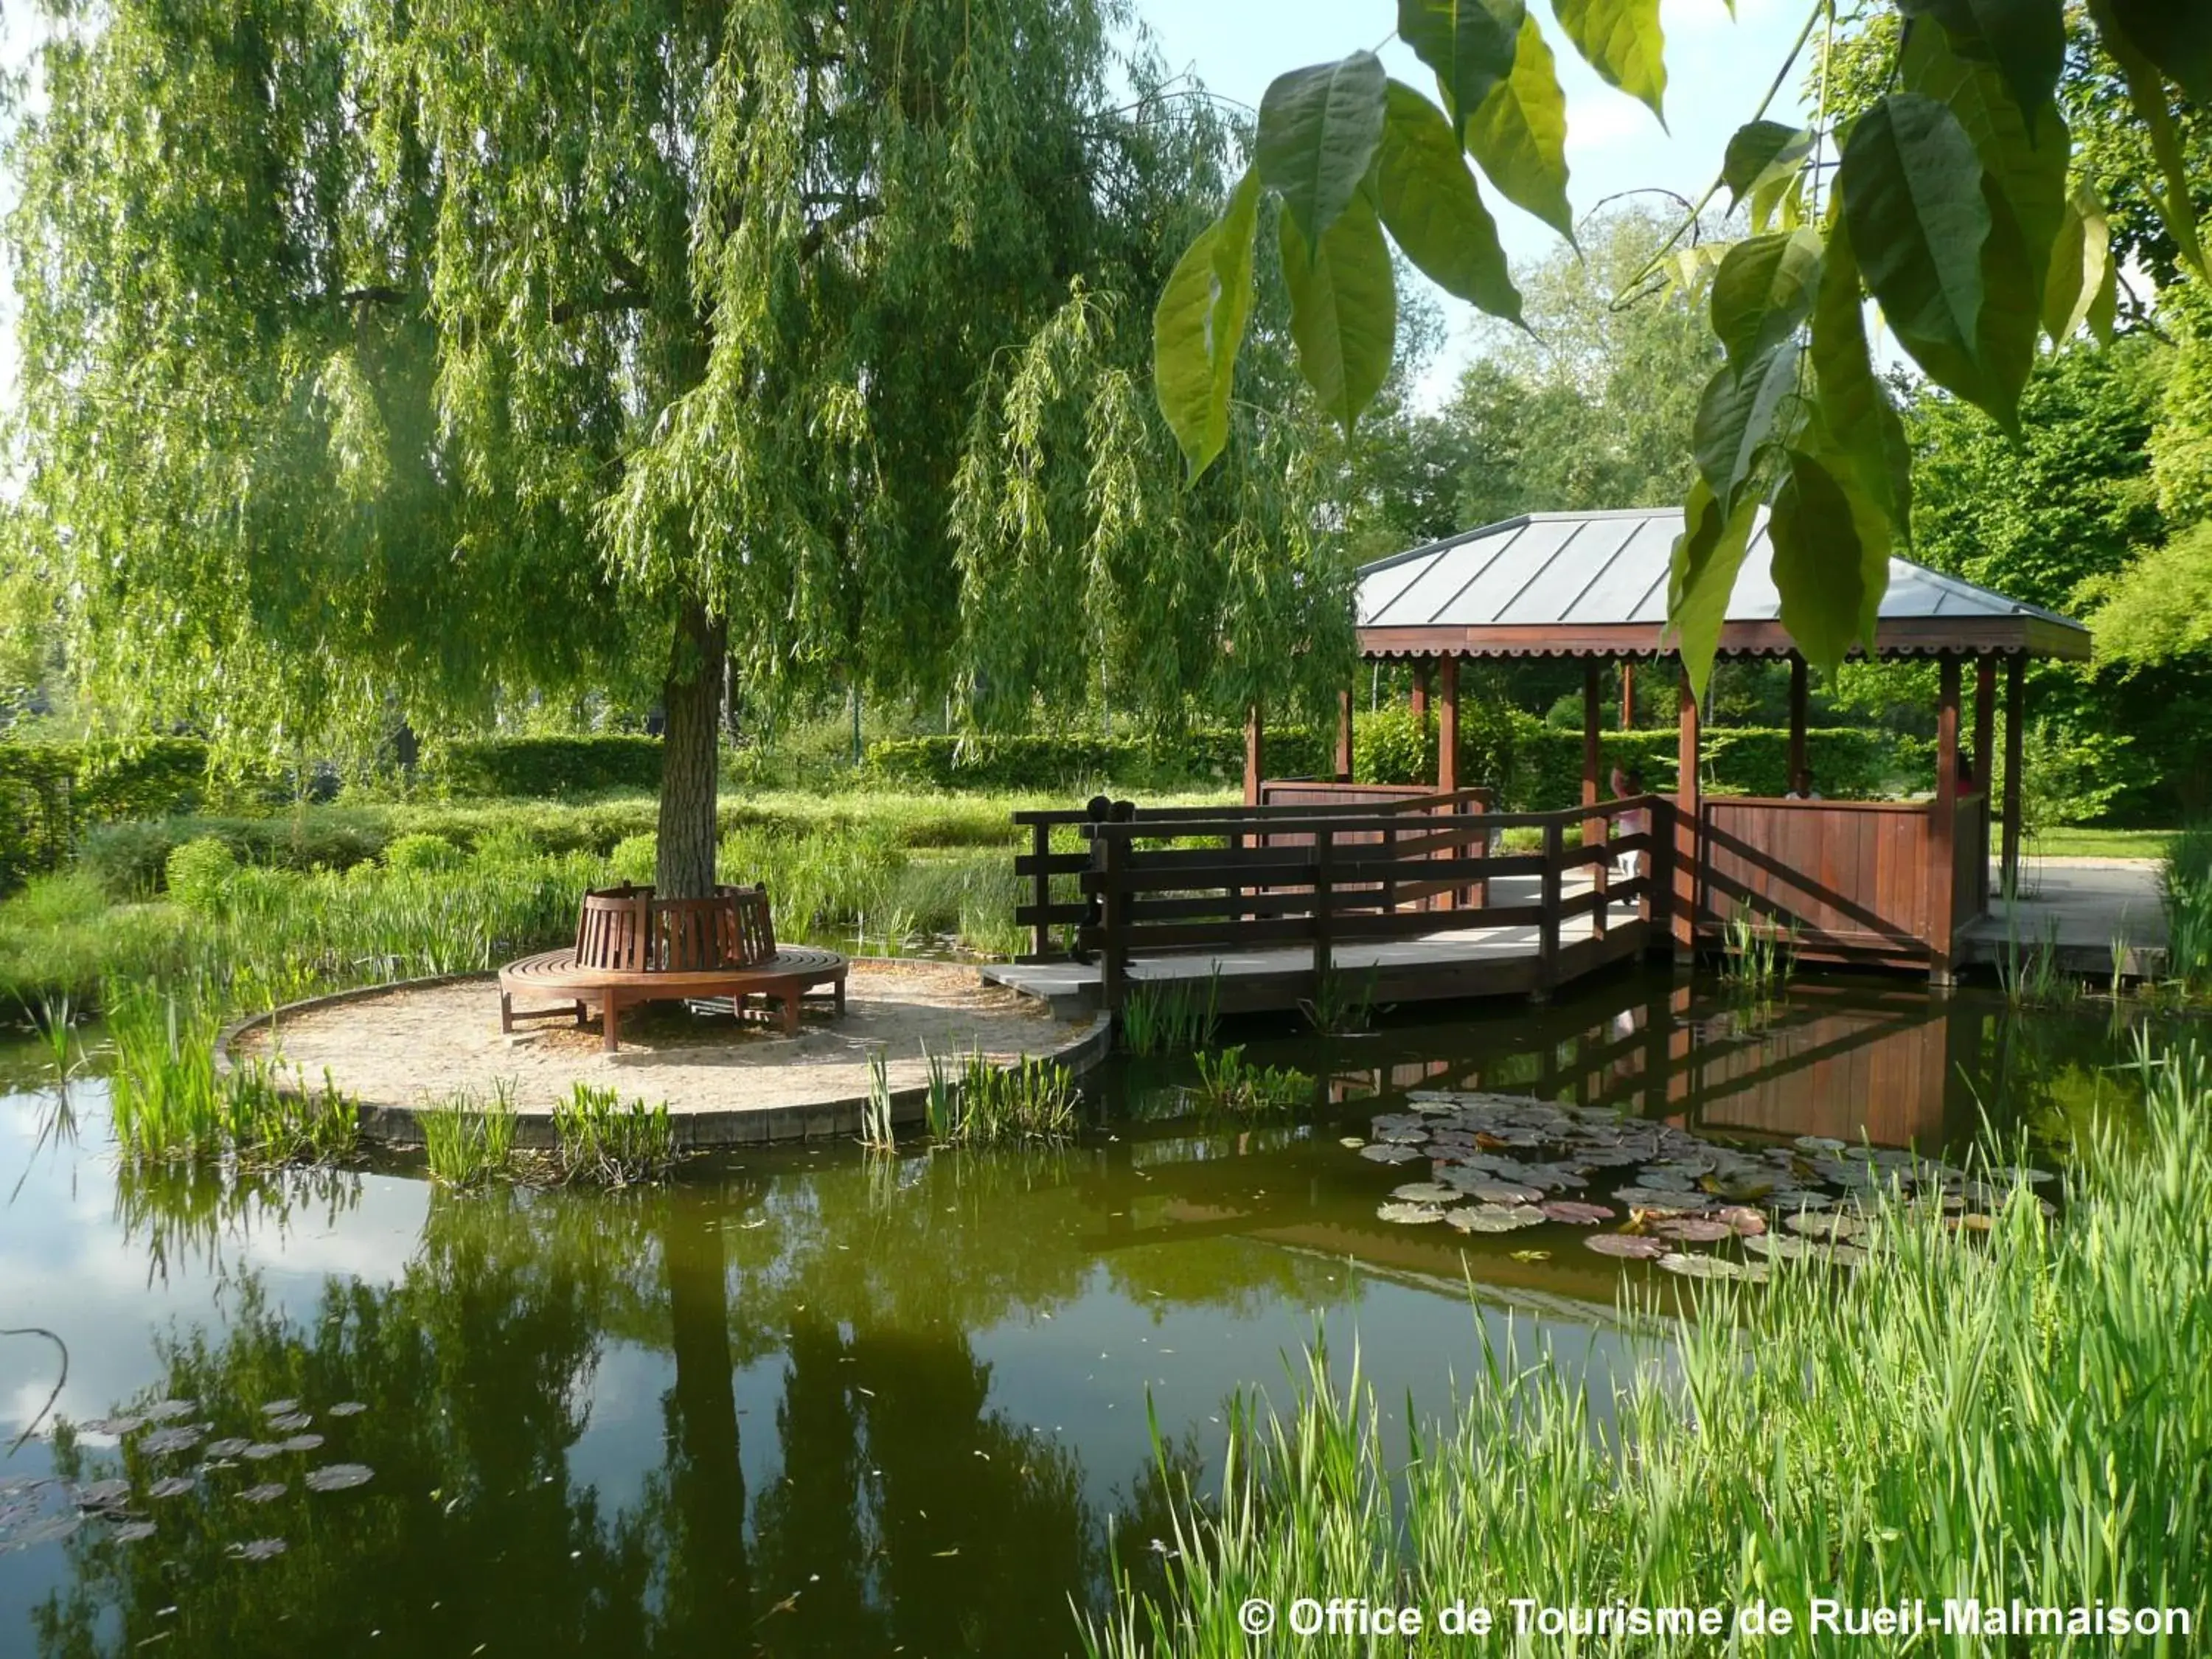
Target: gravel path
[[418, 1048]]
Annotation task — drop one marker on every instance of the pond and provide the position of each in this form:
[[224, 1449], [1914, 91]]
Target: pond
[[818, 1401]]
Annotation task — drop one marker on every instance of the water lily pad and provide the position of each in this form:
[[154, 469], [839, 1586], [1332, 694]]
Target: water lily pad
[[1819, 1144], [172, 1485], [117, 1426], [46, 1529], [280, 1408], [132, 1532], [1694, 1230], [1493, 1218], [289, 1422], [1741, 1219], [1385, 1152], [1661, 1198], [169, 1411], [1409, 1215], [257, 1549], [1702, 1266], [1577, 1214], [1353, 1141], [346, 1408], [261, 1451], [181, 1438], [267, 1492], [303, 1442], [1816, 1224], [1631, 1245], [1425, 1192], [1504, 1192], [230, 1447], [338, 1477], [102, 1494]]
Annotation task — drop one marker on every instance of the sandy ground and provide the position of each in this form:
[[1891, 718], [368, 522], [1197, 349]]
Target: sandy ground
[[418, 1047]]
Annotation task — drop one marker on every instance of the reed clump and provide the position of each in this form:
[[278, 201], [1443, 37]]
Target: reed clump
[[1227, 1082], [602, 1139], [2021, 1415], [1161, 1017], [1031, 1102], [469, 1143]]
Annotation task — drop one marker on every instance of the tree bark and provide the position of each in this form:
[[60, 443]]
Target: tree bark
[[683, 864]]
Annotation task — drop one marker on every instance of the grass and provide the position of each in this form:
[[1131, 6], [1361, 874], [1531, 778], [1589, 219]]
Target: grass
[[2021, 1416], [610, 1143], [1162, 1016], [1227, 1084], [470, 1145], [2066, 842]]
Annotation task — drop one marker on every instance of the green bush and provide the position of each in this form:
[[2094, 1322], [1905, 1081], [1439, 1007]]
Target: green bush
[[633, 857], [1049, 762], [548, 767], [199, 874], [1847, 763], [421, 851]]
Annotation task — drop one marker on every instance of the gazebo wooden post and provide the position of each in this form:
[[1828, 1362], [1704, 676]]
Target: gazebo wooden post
[[1419, 703], [1943, 825], [1254, 745], [1797, 689], [1986, 777], [1686, 815], [1343, 735], [1627, 694], [2015, 714], [1593, 826], [1448, 756]]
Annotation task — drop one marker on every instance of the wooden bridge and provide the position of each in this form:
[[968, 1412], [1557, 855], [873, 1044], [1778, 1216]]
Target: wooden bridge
[[1390, 895]]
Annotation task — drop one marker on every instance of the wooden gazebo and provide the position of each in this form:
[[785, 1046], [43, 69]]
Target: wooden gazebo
[[1885, 882]]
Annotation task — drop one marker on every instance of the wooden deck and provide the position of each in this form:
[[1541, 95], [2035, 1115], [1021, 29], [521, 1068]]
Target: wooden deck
[[1444, 961]]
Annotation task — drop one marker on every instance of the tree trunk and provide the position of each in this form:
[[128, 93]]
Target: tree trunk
[[683, 866]]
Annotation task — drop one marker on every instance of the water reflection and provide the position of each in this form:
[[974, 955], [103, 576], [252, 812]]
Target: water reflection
[[817, 1403]]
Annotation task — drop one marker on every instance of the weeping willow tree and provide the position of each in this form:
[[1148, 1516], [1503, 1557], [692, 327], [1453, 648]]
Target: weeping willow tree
[[385, 358]]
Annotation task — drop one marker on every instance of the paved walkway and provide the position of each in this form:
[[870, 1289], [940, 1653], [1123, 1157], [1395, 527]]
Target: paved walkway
[[2081, 906]]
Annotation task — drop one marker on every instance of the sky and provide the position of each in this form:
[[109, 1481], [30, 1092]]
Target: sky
[[1717, 68]]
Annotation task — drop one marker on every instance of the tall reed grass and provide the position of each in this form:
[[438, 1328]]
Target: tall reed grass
[[2185, 887], [1029, 1102], [603, 1140], [2024, 1415]]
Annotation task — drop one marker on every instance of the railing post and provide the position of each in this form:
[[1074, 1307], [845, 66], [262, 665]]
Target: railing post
[[1482, 857], [1324, 895], [1041, 846], [1114, 910], [1547, 929], [1389, 883]]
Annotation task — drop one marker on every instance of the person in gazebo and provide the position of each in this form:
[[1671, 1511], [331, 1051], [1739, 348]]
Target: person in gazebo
[[1634, 821], [1801, 785]]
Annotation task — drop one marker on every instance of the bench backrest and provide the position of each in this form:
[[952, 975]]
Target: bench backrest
[[627, 930]]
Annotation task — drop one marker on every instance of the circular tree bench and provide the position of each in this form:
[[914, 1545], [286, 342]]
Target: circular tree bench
[[632, 947]]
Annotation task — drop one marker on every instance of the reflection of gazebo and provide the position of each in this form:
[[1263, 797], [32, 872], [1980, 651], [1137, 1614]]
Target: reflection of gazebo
[[1881, 881]]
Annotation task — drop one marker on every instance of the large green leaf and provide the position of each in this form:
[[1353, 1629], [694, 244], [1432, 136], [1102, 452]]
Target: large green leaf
[[1199, 325], [2147, 93], [1468, 42], [1622, 41], [1519, 133], [1319, 128], [2080, 264], [1862, 421], [1344, 309], [1763, 290], [2030, 169], [1912, 186], [1701, 577], [1831, 560], [1740, 417], [1757, 152], [2025, 38], [2174, 35], [1431, 205]]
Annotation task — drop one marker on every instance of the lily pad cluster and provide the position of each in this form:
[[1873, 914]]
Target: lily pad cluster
[[1499, 1164], [38, 1509]]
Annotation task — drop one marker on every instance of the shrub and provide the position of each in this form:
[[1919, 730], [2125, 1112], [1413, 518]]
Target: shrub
[[633, 857], [548, 767], [421, 851], [199, 873], [1064, 761]]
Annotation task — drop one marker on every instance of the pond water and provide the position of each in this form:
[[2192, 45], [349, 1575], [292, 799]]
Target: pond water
[[818, 1401]]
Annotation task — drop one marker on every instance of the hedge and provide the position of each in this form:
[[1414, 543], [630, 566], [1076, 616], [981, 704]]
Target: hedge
[[547, 768], [50, 791], [1065, 761]]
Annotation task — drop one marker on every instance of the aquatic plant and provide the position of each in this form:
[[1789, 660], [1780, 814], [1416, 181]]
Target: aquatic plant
[[941, 1103], [469, 1145], [1227, 1084], [1159, 1017], [2185, 890], [1032, 1101], [876, 1132], [2031, 975], [1342, 1002], [599, 1138], [2020, 1416], [1756, 955]]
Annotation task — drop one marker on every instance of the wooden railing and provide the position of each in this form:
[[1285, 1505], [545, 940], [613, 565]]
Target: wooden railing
[[1245, 878]]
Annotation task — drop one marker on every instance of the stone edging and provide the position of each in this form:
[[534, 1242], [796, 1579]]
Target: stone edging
[[694, 1130]]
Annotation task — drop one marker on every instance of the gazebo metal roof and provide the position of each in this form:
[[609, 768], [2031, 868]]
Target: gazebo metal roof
[[1595, 584]]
